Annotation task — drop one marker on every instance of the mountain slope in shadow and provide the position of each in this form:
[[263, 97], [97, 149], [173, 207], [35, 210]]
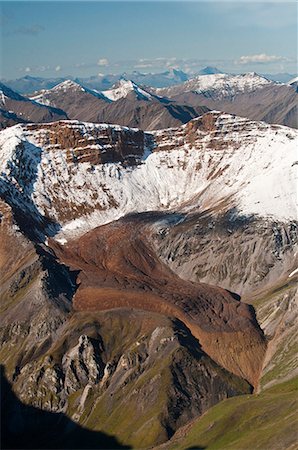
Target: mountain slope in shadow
[[26, 427]]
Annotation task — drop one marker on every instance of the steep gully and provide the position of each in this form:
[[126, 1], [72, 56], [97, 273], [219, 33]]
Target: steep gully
[[118, 268]]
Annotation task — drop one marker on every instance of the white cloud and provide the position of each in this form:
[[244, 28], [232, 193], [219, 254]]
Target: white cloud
[[143, 66], [27, 69], [41, 68], [103, 62], [57, 68], [261, 58]]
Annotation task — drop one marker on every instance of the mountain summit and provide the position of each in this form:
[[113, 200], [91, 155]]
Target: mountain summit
[[209, 71], [123, 88]]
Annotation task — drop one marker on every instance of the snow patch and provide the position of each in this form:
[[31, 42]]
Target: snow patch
[[293, 273]]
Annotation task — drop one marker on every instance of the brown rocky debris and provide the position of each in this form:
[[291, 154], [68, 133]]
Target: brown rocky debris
[[119, 268]]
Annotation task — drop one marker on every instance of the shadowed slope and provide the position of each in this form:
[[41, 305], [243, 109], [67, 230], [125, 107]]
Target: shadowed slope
[[26, 427]]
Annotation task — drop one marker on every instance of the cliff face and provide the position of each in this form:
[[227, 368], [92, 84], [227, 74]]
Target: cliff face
[[75, 176], [102, 370]]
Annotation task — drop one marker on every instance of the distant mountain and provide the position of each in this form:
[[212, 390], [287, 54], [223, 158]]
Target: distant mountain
[[217, 86], [124, 88], [249, 95], [168, 78], [125, 103], [14, 108], [29, 84], [136, 105], [99, 82], [172, 77], [209, 71], [78, 102], [279, 77]]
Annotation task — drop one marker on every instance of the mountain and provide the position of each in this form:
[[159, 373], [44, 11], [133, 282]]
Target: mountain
[[249, 95], [77, 101], [148, 276], [238, 417], [124, 88], [220, 85], [161, 79], [129, 104], [62, 91], [279, 77], [137, 107], [29, 84], [104, 144], [125, 103], [168, 78], [15, 108], [209, 71]]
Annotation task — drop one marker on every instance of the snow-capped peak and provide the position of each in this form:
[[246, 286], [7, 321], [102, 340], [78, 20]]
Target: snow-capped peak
[[45, 96], [67, 84], [124, 87], [231, 84], [221, 85]]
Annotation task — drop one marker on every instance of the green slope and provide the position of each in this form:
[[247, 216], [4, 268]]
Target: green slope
[[265, 421]]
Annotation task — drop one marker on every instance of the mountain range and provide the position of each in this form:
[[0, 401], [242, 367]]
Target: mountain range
[[148, 262], [125, 104], [29, 84], [248, 95], [148, 108]]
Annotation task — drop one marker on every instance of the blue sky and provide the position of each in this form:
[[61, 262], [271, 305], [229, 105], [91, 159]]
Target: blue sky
[[81, 38]]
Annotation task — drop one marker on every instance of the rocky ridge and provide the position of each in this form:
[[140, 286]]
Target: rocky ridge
[[125, 103]]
